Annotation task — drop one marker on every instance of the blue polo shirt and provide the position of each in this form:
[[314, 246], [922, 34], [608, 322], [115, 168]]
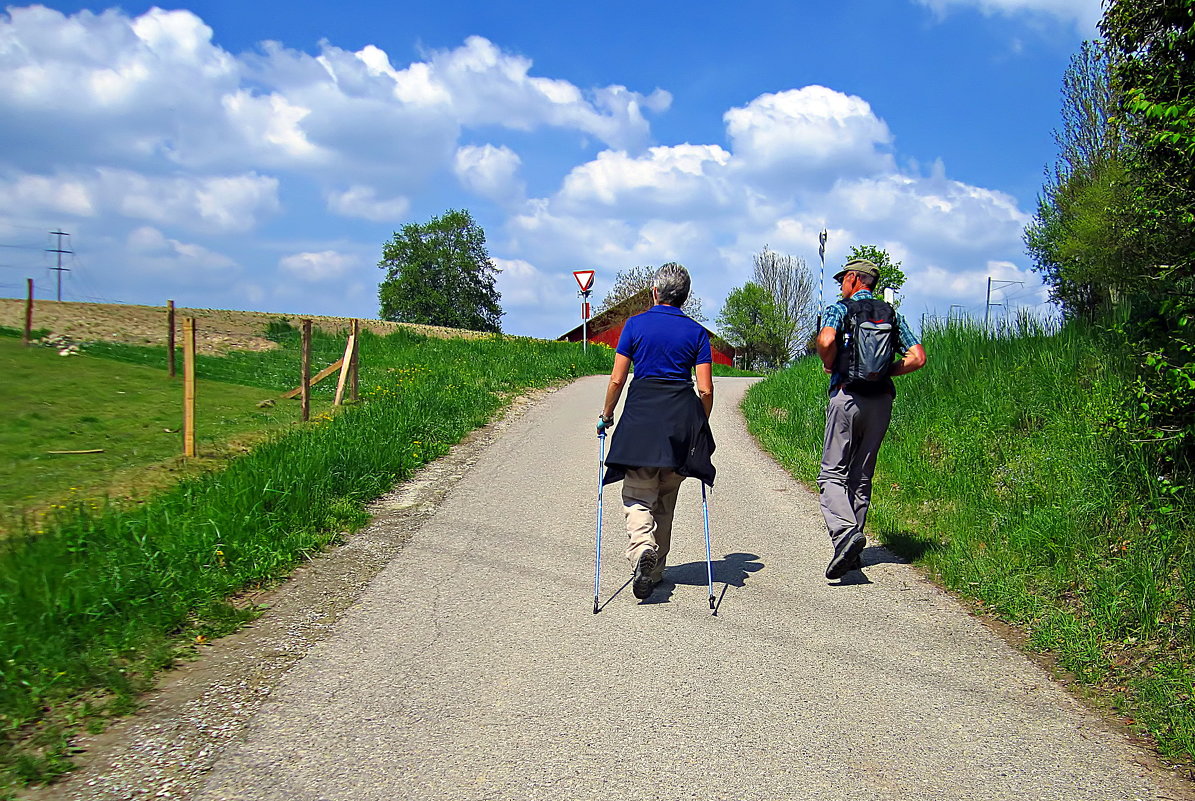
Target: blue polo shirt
[[664, 342]]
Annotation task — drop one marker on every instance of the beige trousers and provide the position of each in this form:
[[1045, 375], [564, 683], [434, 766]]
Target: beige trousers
[[648, 501]]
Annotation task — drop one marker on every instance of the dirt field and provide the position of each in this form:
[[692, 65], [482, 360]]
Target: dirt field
[[217, 330]]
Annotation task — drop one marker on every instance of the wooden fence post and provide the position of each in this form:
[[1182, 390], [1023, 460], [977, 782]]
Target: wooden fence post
[[346, 368], [27, 337], [189, 386], [305, 373], [353, 370], [170, 338]]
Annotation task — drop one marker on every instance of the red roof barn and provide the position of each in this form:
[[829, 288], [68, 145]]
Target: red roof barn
[[606, 327]]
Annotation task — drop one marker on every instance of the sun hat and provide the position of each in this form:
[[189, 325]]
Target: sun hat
[[858, 266]]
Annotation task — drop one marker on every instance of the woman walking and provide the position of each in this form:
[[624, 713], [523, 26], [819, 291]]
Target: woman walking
[[664, 436]]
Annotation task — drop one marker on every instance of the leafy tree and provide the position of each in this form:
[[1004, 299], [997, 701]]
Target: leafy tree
[[440, 273], [790, 284], [890, 273], [751, 321], [634, 280], [1082, 238], [1152, 65]]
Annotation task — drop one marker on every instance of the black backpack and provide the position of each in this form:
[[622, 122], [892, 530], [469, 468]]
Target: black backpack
[[867, 344]]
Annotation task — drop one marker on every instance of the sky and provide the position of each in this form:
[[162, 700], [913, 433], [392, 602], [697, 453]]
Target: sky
[[257, 155]]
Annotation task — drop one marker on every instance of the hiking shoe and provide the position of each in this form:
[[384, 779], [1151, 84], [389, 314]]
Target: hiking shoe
[[641, 581], [847, 557]]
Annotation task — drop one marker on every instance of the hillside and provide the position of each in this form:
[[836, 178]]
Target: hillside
[[218, 330]]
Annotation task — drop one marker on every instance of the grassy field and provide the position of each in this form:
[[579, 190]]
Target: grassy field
[[1008, 475], [133, 413], [108, 594]]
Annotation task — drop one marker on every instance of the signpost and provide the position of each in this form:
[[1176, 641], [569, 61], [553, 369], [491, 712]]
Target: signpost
[[821, 252], [585, 281]]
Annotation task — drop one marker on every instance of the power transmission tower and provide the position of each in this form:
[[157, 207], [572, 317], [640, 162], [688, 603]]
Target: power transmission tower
[[59, 269], [987, 307]]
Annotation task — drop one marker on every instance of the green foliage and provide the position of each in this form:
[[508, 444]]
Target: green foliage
[[1007, 473], [891, 274], [1153, 69], [440, 273], [751, 322], [632, 281], [1083, 237], [107, 594]]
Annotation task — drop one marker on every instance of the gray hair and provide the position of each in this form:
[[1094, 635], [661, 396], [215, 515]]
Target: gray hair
[[868, 279], [672, 281]]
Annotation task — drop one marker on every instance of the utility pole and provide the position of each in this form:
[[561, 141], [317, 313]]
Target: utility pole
[[987, 306], [59, 269]]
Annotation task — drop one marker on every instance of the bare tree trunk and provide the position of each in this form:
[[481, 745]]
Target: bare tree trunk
[[791, 285]]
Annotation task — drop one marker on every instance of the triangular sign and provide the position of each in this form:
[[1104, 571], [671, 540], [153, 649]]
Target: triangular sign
[[584, 278]]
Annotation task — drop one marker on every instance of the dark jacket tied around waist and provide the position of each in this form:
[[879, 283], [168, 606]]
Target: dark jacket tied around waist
[[663, 425]]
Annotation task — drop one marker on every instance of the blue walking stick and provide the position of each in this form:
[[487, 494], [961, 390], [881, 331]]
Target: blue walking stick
[[597, 554], [709, 564]]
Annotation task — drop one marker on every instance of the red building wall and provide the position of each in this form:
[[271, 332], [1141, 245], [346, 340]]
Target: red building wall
[[610, 337]]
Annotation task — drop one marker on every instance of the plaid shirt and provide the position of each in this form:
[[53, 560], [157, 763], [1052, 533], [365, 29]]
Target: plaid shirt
[[833, 319]]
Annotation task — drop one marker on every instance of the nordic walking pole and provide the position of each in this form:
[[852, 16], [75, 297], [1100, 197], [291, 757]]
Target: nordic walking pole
[[709, 564], [597, 551]]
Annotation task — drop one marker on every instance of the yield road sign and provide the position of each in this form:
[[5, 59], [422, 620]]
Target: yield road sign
[[584, 278]]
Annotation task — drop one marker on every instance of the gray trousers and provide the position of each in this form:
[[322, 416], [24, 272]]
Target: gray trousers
[[855, 427]]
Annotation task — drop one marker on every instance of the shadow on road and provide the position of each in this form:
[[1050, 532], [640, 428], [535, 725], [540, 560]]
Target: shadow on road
[[730, 571], [872, 555]]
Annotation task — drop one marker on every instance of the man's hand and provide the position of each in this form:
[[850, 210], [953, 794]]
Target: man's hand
[[604, 423]]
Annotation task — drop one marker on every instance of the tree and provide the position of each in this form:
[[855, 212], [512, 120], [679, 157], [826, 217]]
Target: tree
[[634, 280], [790, 284], [751, 321], [439, 273], [1151, 47], [890, 273], [1082, 237]]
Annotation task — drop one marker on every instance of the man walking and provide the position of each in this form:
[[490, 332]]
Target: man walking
[[857, 342]]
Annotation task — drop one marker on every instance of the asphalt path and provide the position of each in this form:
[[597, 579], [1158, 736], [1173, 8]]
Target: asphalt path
[[473, 667]]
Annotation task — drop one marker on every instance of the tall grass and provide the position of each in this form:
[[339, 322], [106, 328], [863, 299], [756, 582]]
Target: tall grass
[[99, 602], [1007, 473]]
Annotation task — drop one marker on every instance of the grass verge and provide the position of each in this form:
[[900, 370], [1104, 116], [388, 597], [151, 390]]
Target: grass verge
[[130, 412], [1006, 473], [108, 594]]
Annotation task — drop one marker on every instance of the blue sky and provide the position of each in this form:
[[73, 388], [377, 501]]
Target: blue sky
[[257, 155]]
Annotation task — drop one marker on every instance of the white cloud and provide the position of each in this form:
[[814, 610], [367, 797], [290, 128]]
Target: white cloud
[[41, 193], [489, 172], [808, 132], [221, 203], [316, 267], [218, 203], [153, 251], [363, 201], [667, 181], [1083, 13], [522, 285], [951, 214]]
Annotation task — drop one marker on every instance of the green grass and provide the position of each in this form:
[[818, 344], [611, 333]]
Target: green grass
[[105, 597], [134, 413], [1007, 475]]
